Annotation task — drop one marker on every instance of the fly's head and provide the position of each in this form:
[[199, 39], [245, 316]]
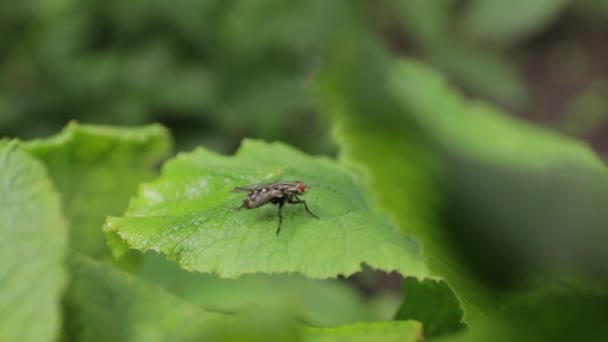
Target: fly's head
[[301, 187]]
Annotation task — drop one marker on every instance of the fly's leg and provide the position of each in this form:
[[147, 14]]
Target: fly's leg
[[280, 216], [300, 201]]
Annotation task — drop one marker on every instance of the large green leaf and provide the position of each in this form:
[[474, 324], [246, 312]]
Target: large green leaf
[[32, 245], [103, 303], [483, 72], [509, 21], [261, 325], [190, 215], [433, 304], [401, 175], [323, 303], [427, 22], [378, 331], [441, 164], [548, 317], [97, 169], [476, 128], [517, 199]]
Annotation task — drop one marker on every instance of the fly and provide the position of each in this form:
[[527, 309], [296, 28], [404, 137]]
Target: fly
[[277, 193]]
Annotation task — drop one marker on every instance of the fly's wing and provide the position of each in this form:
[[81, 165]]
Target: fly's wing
[[275, 193], [284, 187], [248, 188]]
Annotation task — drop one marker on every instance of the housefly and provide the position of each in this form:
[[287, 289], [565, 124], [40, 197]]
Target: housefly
[[277, 193]]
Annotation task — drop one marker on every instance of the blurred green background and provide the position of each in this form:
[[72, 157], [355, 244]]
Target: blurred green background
[[215, 71]]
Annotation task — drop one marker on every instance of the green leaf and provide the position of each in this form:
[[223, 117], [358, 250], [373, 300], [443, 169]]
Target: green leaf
[[518, 199], [509, 21], [97, 169], [270, 326], [433, 304], [483, 72], [548, 317], [322, 303], [190, 215], [378, 331], [427, 22], [32, 244], [103, 303], [256, 325], [421, 140], [476, 128]]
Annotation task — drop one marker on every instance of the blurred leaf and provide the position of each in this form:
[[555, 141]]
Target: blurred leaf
[[476, 128], [32, 243], [428, 22], [548, 317], [512, 223], [596, 10], [105, 304], [409, 139], [192, 65], [316, 302], [506, 22], [97, 169], [433, 304], [483, 72], [277, 22], [377, 331], [257, 325], [517, 199], [189, 215], [587, 111]]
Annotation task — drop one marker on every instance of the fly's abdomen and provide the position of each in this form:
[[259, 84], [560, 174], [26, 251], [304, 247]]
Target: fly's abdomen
[[258, 198], [250, 203]]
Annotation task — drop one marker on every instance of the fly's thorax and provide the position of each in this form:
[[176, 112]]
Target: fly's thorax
[[283, 186]]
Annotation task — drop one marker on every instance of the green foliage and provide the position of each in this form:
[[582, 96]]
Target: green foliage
[[451, 122], [547, 317], [105, 304], [505, 22], [190, 215], [501, 224], [427, 22], [385, 331], [32, 246], [503, 264], [323, 303], [485, 72], [97, 169], [218, 70], [432, 303], [193, 64], [490, 197], [560, 179], [439, 29]]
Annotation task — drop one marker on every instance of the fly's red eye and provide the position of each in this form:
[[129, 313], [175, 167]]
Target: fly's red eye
[[302, 187]]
